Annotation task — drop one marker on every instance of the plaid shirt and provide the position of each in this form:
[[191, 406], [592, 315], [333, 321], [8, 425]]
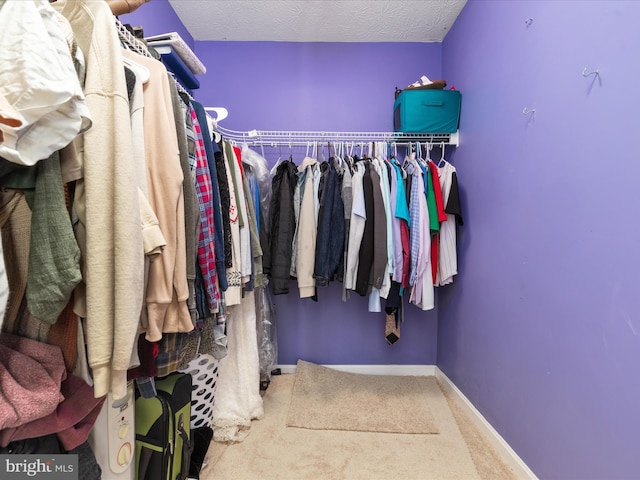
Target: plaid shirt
[[414, 212], [206, 239]]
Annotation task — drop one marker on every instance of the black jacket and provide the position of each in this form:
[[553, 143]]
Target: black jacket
[[282, 226]]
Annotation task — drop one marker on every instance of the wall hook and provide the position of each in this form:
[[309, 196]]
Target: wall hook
[[527, 112], [528, 21], [586, 74]]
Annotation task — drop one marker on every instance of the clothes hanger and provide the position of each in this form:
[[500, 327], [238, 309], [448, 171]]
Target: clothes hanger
[[442, 161], [419, 153], [411, 158], [337, 157], [215, 135], [427, 152], [348, 159], [274, 169], [221, 113], [278, 162], [290, 149], [140, 70]]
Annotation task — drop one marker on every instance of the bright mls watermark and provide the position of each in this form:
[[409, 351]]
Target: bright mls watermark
[[49, 467]]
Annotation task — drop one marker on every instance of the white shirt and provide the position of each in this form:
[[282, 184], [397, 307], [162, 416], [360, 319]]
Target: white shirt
[[447, 255]]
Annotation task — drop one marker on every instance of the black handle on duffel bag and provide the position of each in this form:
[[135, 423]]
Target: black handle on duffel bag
[[187, 449]]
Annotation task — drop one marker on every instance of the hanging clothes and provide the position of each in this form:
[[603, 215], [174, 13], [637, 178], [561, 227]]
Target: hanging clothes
[[356, 226], [331, 227], [251, 200], [167, 289], [238, 399], [380, 258], [191, 206], [447, 256], [346, 195], [234, 273], [422, 293], [106, 201], [282, 226], [385, 187], [246, 259], [206, 238], [441, 216], [309, 177], [212, 150], [366, 253]]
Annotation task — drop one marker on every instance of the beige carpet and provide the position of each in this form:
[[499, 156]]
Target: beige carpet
[[274, 451], [327, 399], [489, 464]]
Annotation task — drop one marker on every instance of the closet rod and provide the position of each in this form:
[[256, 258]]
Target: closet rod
[[130, 40], [254, 142], [274, 137]]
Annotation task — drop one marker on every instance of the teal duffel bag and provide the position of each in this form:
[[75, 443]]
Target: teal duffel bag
[[426, 111]]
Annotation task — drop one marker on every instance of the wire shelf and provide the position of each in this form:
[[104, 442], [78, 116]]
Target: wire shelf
[[289, 138]]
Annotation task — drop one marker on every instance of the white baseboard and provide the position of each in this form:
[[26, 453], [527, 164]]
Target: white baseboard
[[419, 370], [499, 444]]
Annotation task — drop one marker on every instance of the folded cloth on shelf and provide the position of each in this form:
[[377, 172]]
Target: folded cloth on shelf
[[31, 374], [434, 85], [174, 64], [174, 40], [424, 82]]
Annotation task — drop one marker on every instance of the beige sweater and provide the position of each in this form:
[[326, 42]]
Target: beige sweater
[[305, 261], [167, 288], [109, 233]]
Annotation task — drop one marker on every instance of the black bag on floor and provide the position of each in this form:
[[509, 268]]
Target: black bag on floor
[[201, 440], [163, 433]]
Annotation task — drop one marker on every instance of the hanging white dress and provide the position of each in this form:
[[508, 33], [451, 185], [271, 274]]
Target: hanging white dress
[[238, 399]]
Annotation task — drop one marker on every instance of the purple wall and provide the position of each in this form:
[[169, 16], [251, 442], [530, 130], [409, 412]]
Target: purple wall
[[541, 330], [323, 86], [158, 17], [311, 86]]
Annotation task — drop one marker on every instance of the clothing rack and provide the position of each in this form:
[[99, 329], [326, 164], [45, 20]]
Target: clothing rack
[[134, 44], [308, 138], [181, 88]]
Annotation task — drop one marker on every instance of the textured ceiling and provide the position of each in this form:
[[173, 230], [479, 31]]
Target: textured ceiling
[[318, 20]]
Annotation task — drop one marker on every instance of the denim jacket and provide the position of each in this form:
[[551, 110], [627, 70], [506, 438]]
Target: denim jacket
[[331, 227]]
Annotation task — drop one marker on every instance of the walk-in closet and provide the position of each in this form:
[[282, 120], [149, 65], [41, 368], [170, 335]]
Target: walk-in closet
[[290, 239]]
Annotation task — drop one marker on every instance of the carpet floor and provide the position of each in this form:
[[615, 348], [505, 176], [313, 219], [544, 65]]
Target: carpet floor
[[328, 399], [275, 451]]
